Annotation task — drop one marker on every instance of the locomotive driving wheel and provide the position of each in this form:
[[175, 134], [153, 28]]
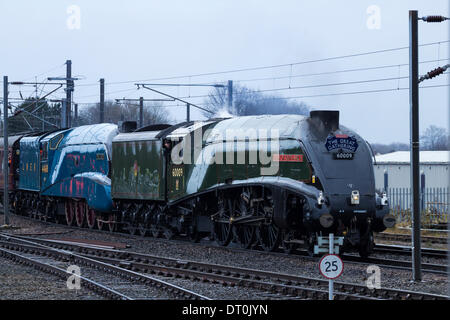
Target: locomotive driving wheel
[[222, 224], [91, 218], [69, 211], [80, 213], [243, 233], [269, 236]]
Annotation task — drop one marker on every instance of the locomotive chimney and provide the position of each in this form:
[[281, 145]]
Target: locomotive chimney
[[325, 119], [127, 126]]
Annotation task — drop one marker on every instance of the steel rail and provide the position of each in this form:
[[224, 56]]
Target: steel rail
[[406, 250], [407, 238]]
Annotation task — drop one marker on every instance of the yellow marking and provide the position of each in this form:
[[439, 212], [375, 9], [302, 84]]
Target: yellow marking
[[45, 168], [177, 172], [177, 184]]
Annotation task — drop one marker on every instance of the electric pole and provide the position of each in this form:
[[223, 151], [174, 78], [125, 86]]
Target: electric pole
[[75, 120], [64, 123], [5, 151], [414, 81], [230, 94], [69, 90], [141, 112], [414, 140], [188, 112], [102, 100], [66, 117]]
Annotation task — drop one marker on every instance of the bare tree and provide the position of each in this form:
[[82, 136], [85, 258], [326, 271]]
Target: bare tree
[[249, 102], [435, 138], [379, 148], [153, 113]]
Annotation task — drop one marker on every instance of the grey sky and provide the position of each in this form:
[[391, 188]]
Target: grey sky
[[136, 40]]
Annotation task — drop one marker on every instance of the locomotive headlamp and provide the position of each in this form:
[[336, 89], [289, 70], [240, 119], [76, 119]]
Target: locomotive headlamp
[[355, 197], [320, 199], [326, 220], [384, 199]]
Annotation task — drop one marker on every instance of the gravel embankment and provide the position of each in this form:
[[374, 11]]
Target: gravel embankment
[[18, 282]]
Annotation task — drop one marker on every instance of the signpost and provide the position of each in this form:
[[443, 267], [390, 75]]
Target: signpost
[[331, 266]]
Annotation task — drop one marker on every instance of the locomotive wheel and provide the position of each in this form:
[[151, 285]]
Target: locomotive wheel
[[193, 234], [269, 236], [132, 228], [80, 213], [245, 235], [156, 233], [142, 229], [168, 233], [223, 230], [49, 211], [69, 210], [100, 223], [112, 223], [366, 245], [91, 218], [46, 214]]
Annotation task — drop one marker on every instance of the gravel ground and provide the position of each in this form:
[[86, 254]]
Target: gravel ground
[[302, 266], [18, 282]]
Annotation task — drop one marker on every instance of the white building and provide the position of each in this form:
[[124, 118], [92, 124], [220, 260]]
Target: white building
[[434, 164]]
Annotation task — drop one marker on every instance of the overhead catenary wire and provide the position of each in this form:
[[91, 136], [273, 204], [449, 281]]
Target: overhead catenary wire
[[343, 93], [267, 67]]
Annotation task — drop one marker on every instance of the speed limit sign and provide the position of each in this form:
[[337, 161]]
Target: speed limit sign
[[331, 266]]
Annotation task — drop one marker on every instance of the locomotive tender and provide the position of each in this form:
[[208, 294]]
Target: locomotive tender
[[271, 180]]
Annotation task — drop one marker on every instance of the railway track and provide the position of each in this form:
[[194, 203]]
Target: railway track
[[387, 263], [279, 285], [47, 267], [138, 285], [406, 250], [407, 238]]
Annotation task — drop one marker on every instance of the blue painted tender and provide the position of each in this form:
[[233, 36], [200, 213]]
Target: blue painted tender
[[71, 163]]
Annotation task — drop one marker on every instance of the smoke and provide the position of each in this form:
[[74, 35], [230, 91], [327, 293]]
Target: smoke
[[223, 113]]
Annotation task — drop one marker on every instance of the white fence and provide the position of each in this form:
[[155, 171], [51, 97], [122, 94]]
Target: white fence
[[434, 204]]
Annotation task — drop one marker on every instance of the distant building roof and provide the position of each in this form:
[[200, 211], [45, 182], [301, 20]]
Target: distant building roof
[[441, 157]]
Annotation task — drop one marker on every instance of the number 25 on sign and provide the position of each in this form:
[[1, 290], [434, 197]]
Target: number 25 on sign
[[331, 266]]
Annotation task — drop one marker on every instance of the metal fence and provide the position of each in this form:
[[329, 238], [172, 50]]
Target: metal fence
[[434, 204]]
